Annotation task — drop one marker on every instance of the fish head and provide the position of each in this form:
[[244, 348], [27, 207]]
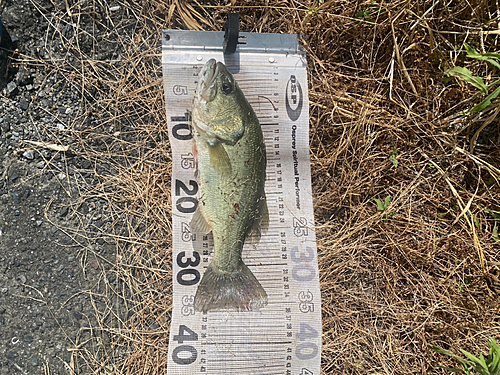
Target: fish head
[[220, 108]]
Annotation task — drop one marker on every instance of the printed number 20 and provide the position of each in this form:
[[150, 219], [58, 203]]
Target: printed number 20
[[186, 205]]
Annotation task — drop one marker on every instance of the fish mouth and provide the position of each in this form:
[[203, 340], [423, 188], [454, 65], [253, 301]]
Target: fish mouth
[[207, 77]]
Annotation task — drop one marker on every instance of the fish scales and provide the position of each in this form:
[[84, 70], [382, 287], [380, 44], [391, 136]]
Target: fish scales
[[231, 162]]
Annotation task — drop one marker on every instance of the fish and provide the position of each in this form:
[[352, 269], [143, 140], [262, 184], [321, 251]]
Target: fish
[[231, 168]]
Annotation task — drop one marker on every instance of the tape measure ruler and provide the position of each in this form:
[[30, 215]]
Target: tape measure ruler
[[283, 337]]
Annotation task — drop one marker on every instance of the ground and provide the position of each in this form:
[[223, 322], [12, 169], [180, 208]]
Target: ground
[[85, 257], [45, 270]]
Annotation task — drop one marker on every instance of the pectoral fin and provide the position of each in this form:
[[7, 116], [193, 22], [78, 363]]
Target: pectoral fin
[[219, 159], [195, 157], [227, 134]]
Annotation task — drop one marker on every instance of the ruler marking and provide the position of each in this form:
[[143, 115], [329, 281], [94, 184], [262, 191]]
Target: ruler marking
[[240, 80], [237, 336], [240, 338], [217, 371], [263, 317], [271, 265], [249, 367], [239, 359], [253, 343], [273, 351], [277, 320]]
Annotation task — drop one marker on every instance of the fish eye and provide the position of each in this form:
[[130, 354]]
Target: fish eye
[[227, 88]]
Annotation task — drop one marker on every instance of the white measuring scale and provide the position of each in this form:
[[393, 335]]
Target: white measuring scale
[[283, 337]]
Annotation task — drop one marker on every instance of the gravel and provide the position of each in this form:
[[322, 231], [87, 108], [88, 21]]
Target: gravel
[[44, 275]]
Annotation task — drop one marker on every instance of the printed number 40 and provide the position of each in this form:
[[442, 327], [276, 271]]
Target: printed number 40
[[185, 334], [306, 350], [185, 354]]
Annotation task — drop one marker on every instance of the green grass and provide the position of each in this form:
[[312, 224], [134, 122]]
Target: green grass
[[475, 365]]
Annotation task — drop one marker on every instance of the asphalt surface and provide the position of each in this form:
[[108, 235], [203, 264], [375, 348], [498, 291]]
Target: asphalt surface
[[47, 275]]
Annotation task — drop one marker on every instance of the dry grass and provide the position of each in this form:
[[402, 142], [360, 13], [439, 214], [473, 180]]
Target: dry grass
[[390, 285]]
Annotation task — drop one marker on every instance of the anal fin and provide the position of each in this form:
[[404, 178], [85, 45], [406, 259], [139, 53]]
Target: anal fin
[[260, 223], [264, 214], [198, 223]]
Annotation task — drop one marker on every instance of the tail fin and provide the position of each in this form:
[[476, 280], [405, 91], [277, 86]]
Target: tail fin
[[239, 290]]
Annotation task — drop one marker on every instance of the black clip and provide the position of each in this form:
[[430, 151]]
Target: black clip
[[6, 47], [5, 40], [231, 34]]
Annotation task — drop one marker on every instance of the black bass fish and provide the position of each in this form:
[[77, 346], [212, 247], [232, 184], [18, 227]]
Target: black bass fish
[[231, 158]]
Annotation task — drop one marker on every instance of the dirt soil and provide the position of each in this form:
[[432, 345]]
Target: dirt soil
[[85, 230]]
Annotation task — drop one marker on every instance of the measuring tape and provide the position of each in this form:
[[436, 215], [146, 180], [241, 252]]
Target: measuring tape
[[283, 337]]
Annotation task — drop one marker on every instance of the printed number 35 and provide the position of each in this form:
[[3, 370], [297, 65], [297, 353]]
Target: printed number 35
[[306, 304]]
